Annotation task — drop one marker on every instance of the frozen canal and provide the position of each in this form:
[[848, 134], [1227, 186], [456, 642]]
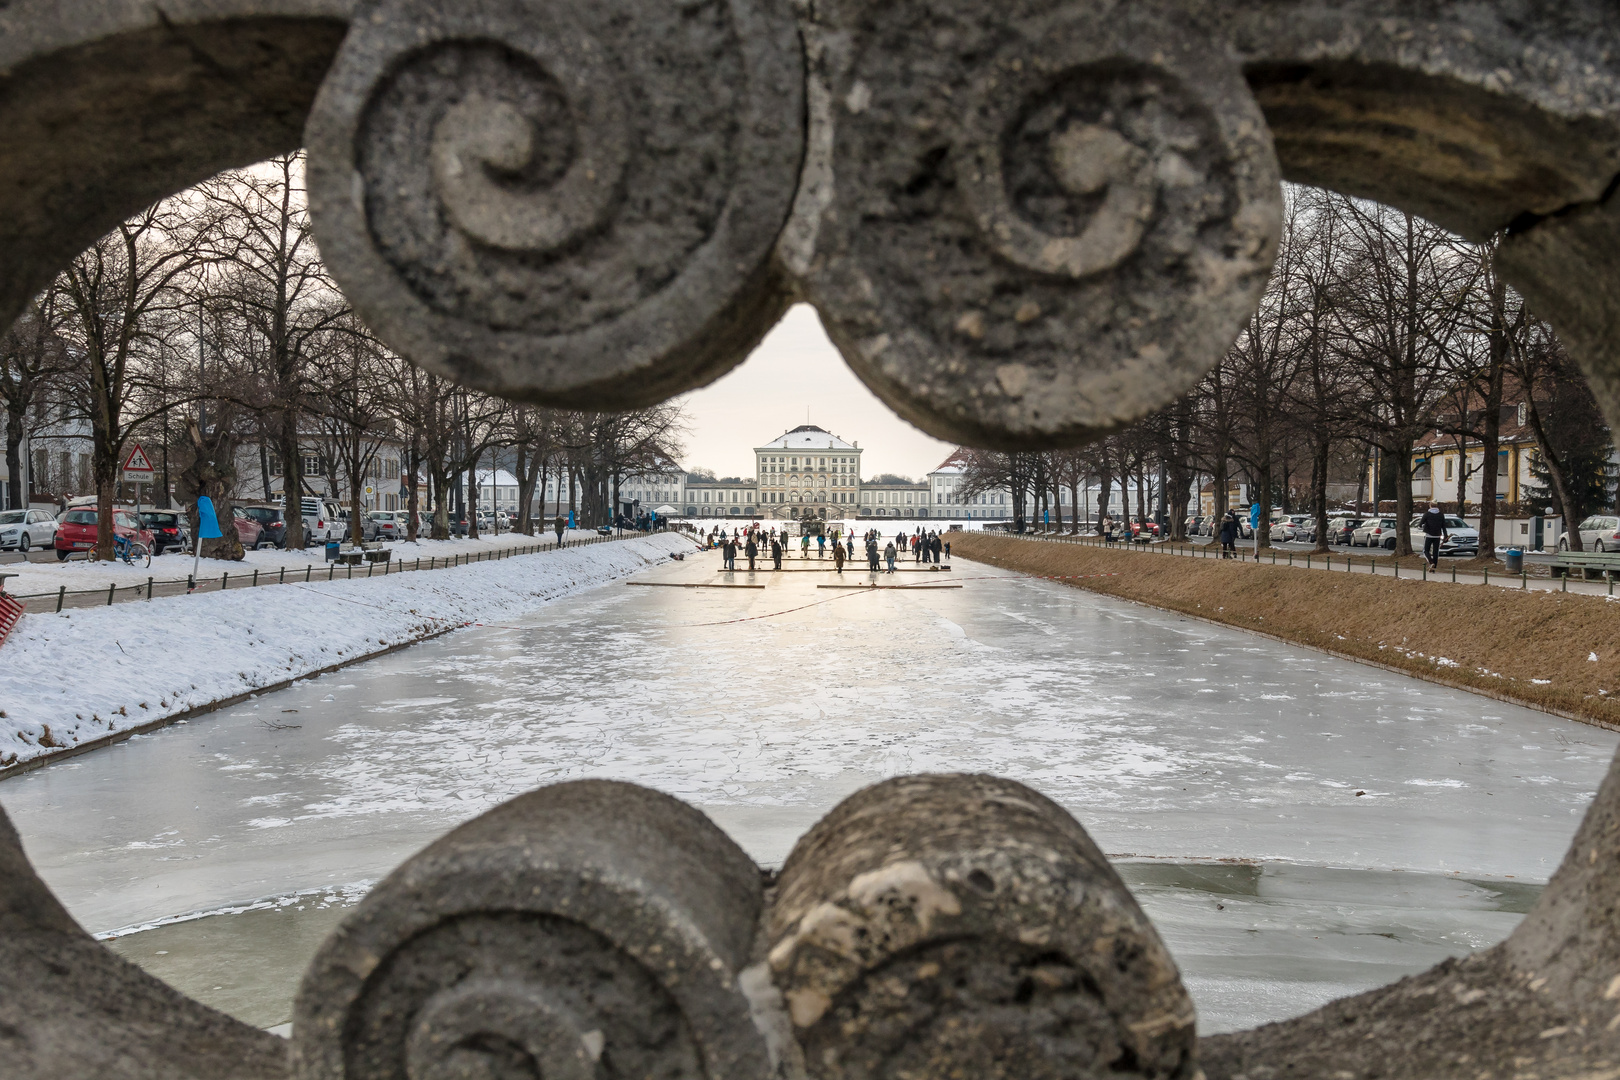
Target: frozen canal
[[1370, 824]]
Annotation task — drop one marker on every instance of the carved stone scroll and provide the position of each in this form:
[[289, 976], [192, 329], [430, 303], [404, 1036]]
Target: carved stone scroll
[[69, 1007], [590, 929], [1033, 221], [968, 926], [572, 204]]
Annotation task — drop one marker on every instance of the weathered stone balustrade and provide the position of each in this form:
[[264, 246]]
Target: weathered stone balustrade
[[1023, 223]]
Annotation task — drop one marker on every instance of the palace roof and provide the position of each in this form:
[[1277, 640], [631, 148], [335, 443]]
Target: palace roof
[[807, 437]]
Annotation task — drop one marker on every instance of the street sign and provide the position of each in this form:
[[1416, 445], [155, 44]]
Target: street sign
[[138, 467]]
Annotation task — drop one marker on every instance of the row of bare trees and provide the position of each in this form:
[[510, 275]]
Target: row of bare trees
[[207, 328], [1378, 332]]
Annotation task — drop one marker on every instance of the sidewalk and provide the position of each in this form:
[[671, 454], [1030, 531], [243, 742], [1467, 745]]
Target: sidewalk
[[53, 586], [1340, 564]]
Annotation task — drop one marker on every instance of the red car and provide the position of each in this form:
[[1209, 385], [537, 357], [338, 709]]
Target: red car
[[248, 531], [76, 531]]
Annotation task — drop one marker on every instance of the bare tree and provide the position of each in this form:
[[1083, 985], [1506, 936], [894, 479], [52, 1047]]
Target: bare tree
[[1403, 290], [33, 360], [112, 296], [274, 276]]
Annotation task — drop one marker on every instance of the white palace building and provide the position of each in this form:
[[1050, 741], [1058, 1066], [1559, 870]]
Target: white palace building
[[811, 473]]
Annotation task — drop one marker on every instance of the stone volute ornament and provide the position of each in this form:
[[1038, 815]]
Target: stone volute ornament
[[570, 204], [1022, 222], [1048, 218]]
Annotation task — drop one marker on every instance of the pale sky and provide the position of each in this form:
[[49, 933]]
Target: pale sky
[[797, 369]]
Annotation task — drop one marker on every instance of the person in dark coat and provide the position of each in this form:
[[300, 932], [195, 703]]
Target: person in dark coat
[[1433, 523], [776, 551], [751, 550], [728, 552], [1229, 528]]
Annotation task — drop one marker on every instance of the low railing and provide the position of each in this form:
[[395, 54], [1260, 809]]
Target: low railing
[[115, 593], [1309, 560]]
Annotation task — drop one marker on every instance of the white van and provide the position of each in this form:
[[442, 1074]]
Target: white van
[[323, 519]]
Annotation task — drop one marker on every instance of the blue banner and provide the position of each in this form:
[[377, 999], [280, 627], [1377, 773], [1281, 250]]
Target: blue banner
[[207, 522]]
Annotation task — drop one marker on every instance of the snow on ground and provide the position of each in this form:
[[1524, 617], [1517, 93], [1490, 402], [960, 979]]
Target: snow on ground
[[82, 674], [79, 574]]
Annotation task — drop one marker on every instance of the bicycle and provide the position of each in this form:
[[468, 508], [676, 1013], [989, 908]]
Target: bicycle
[[131, 551]]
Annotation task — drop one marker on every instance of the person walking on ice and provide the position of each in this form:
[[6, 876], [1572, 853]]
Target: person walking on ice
[[888, 555], [838, 557], [776, 550]]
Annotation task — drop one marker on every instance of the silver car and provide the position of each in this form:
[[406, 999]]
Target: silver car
[[1374, 532], [1597, 534], [385, 525], [25, 529]]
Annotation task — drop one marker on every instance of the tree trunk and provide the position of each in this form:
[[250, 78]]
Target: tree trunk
[[1319, 480], [1402, 457], [1556, 481], [1262, 497], [292, 480], [14, 437], [413, 501], [1490, 439]]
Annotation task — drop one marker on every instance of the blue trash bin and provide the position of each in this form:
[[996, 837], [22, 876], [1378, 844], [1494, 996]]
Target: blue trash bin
[[1515, 561], [332, 547]]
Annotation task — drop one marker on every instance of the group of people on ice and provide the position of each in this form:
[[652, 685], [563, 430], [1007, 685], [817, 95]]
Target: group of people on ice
[[755, 543]]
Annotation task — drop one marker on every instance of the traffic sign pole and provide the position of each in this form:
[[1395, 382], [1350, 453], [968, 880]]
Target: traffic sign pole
[[138, 470]]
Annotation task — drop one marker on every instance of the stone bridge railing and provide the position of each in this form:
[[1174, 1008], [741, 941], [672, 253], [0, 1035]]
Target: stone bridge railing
[[1022, 222]]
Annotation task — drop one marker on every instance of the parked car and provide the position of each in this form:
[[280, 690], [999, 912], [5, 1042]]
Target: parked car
[[25, 529], [170, 530], [1284, 530], [1340, 529], [323, 520], [248, 530], [270, 519], [1460, 538], [1597, 534], [386, 525], [76, 530], [1374, 532]]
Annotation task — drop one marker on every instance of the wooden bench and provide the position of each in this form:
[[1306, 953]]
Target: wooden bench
[[1593, 565], [350, 555]]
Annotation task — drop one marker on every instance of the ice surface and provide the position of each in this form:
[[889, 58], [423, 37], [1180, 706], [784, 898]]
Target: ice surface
[[1168, 738]]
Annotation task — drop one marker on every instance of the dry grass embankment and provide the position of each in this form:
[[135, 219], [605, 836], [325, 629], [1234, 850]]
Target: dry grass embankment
[[1530, 647]]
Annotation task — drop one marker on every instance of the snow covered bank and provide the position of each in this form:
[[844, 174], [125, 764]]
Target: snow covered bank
[[69, 679]]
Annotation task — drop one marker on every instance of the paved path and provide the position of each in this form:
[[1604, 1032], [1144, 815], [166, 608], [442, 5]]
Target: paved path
[[1169, 739]]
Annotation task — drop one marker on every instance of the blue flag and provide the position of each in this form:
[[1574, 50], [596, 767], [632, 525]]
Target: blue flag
[[207, 522]]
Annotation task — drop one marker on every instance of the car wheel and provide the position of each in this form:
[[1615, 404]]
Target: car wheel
[[22, 545], [61, 556], [1390, 544], [1563, 545]]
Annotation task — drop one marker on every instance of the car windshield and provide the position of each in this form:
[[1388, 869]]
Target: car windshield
[[262, 513], [11, 517], [1456, 523], [158, 519], [79, 517]]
